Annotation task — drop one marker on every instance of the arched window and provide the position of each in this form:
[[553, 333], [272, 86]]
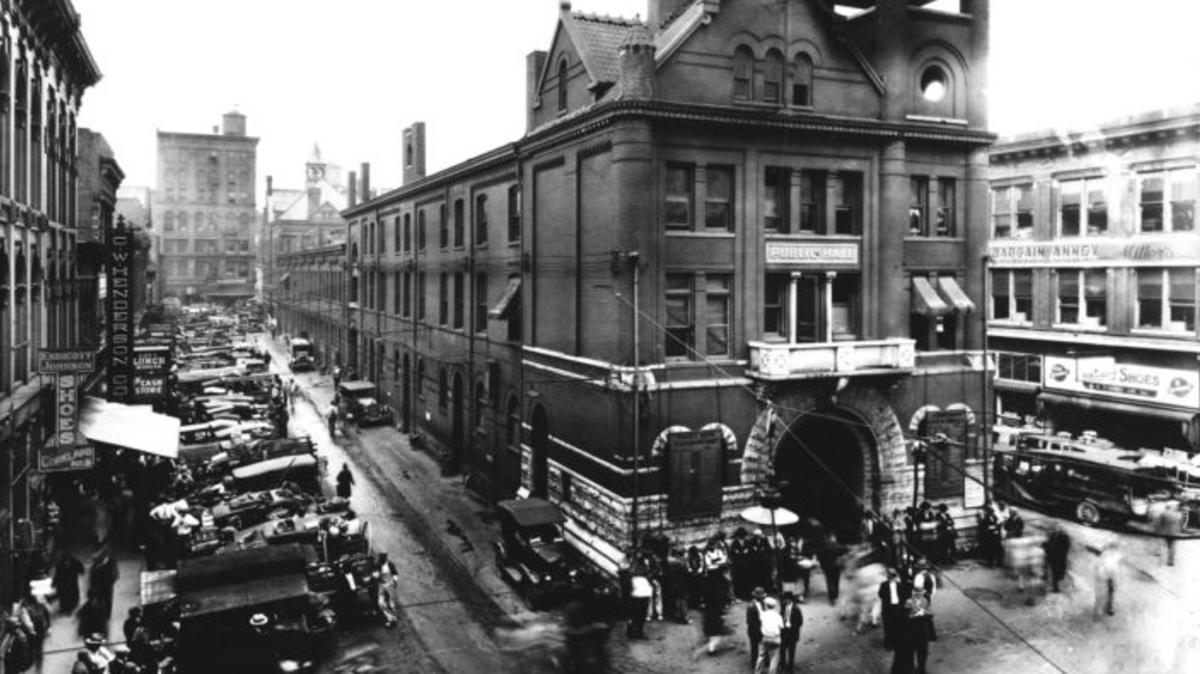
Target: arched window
[[773, 77], [443, 390], [935, 85], [481, 219], [562, 85], [512, 427], [408, 154], [743, 73], [802, 80]]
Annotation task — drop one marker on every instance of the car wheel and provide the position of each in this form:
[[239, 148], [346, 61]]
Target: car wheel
[[1087, 513]]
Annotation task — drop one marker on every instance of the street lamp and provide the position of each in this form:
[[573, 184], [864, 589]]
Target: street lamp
[[918, 455], [771, 499]]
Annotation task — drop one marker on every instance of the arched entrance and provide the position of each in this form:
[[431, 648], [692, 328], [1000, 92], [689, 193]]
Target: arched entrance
[[457, 432], [823, 466], [539, 441]]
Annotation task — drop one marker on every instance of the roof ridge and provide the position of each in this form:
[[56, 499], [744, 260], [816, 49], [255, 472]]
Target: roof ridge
[[606, 18]]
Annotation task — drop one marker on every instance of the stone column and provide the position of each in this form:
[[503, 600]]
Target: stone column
[[890, 305]]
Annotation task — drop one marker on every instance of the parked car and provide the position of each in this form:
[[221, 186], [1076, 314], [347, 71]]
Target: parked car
[[532, 554], [245, 510], [360, 400], [300, 355]]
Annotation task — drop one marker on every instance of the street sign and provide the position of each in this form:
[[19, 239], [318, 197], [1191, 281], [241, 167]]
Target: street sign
[[52, 361]]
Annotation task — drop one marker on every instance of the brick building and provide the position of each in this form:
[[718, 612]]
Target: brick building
[[1094, 262], [204, 202], [793, 195], [309, 298], [45, 67]]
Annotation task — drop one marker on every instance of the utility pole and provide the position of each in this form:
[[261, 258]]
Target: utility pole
[[637, 402]]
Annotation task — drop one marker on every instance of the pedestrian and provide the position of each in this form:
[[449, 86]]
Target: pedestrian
[[345, 481], [386, 589], [1058, 548], [716, 592], [1105, 572], [990, 536], [1168, 523], [695, 577], [793, 620], [739, 563], [95, 653], [920, 624], [893, 593], [331, 417], [640, 594], [829, 556], [1014, 524], [754, 611], [18, 654], [771, 630], [101, 579], [132, 622], [925, 580], [66, 582], [676, 580], [947, 534]]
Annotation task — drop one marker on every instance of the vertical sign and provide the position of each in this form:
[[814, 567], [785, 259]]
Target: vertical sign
[[695, 459], [120, 312], [944, 464], [65, 449], [151, 364]]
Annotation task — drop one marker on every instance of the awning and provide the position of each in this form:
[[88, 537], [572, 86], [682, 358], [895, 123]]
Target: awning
[[505, 304], [925, 300], [1089, 403], [954, 295], [135, 428]]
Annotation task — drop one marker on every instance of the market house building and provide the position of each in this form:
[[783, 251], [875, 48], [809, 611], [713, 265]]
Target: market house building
[[795, 196], [1094, 258]]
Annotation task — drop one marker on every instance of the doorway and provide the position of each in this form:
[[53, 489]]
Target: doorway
[[539, 440]]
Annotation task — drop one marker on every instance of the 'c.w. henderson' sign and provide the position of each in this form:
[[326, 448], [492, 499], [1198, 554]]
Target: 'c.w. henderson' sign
[[119, 307]]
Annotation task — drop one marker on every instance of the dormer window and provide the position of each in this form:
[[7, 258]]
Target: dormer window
[[773, 77], [562, 85], [743, 73], [802, 80]]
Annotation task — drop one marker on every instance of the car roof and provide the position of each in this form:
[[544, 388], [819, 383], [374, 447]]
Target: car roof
[[360, 385], [531, 512]]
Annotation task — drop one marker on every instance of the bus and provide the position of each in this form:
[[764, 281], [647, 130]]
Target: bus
[[1094, 482]]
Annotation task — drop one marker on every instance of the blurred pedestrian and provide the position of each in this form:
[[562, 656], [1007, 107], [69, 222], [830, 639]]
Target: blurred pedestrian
[[345, 482], [640, 594], [793, 620], [331, 417], [921, 628], [829, 556], [716, 592], [695, 577], [893, 593], [990, 536], [754, 611], [1168, 523], [101, 578], [66, 582], [947, 534], [1105, 574], [771, 631]]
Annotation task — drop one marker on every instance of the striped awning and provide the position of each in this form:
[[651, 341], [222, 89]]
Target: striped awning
[[925, 300], [954, 295]]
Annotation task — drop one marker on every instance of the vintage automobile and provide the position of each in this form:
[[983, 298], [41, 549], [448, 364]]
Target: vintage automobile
[[532, 555], [246, 510], [303, 470], [361, 404], [300, 355]]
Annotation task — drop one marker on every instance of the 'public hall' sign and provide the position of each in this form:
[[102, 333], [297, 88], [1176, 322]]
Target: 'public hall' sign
[[119, 307], [813, 254]]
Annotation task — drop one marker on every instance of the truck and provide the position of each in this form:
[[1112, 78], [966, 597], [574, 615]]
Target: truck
[[301, 355], [360, 404]]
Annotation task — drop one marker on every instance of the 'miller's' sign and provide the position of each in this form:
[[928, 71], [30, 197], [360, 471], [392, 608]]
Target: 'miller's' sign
[[119, 307]]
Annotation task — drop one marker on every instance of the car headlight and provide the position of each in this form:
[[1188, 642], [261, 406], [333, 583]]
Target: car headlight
[[1139, 506]]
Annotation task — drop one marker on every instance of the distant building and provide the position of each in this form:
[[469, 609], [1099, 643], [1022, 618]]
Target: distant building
[[134, 204], [309, 299], [796, 203], [99, 179], [1094, 261], [204, 203], [302, 219]]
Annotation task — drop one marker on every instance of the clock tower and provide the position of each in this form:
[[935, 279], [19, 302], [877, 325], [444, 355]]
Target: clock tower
[[315, 168]]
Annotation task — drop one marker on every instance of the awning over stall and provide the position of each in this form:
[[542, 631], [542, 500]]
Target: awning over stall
[[954, 295], [925, 300], [505, 303], [135, 428]]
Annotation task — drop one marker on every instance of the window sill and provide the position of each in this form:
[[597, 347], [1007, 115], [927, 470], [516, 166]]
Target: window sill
[[1025, 235], [1164, 232], [700, 234], [1079, 327], [1163, 332], [514, 243], [933, 237], [1007, 323]]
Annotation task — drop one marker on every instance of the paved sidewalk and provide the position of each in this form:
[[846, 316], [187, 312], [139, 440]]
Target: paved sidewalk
[[64, 640], [984, 623]]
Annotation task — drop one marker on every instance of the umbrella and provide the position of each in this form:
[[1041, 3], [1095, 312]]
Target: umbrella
[[777, 517]]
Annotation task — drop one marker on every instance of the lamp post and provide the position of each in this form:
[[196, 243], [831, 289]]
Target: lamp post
[[771, 500], [918, 455]]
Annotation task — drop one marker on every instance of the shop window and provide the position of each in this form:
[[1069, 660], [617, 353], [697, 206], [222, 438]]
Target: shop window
[[1167, 200], [773, 77], [718, 204], [1166, 299], [802, 80], [1082, 207], [678, 207], [1082, 297], [1019, 367], [1012, 212], [775, 300], [743, 73], [481, 220], [775, 199]]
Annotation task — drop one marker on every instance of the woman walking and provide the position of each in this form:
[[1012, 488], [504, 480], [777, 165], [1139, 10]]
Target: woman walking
[[345, 482]]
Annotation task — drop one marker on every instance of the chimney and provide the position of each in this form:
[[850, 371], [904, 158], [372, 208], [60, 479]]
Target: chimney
[[366, 181], [314, 201], [535, 61], [414, 152], [233, 123], [351, 190], [636, 57], [661, 10]]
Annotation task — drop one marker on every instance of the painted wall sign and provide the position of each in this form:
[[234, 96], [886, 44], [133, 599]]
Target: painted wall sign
[[66, 449], [1098, 251], [152, 358], [51, 361], [813, 254], [1127, 381], [119, 306]]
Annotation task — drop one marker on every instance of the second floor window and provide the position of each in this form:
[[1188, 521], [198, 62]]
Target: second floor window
[[1012, 212], [481, 220], [458, 301], [443, 299], [459, 225], [743, 73], [775, 199], [443, 227], [1167, 201], [847, 195], [690, 332], [775, 306], [514, 213], [773, 77], [1012, 295], [1166, 299], [1082, 207], [1082, 297], [802, 80], [931, 206], [406, 235], [718, 204], [680, 182], [680, 323], [481, 303]]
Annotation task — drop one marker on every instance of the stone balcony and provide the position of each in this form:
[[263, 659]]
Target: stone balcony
[[781, 361]]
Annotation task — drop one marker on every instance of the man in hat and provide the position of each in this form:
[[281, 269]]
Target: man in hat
[[893, 593], [771, 629], [793, 619], [947, 533], [97, 654], [924, 579], [754, 611]]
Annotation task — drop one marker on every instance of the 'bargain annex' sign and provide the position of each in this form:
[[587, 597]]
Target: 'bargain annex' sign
[[1109, 378]]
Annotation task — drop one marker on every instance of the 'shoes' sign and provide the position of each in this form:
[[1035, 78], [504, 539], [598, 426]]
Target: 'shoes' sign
[[66, 450], [119, 306]]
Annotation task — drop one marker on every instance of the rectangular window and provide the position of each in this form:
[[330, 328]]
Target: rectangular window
[[775, 199], [1068, 296], [844, 319], [406, 295], [481, 220], [406, 235], [680, 323], [443, 299], [421, 296], [397, 292], [716, 301], [1167, 200], [1095, 297], [459, 224], [1012, 212], [918, 205], [678, 207], [944, 224], [718, 203], [847, 194], [1182, 299], [481, 302], [1082, 207], [420, 234], [514, 213], [1001, 295], [458, 301], [775, 300], [812, 208], [1022, 294]]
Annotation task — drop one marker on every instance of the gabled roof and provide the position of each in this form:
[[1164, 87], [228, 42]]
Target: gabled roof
[[598, 38]]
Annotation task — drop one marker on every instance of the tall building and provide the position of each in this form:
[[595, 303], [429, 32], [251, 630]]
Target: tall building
[[205, 205], [45, 67], [739, 248], [100, 177], [1094, 260]]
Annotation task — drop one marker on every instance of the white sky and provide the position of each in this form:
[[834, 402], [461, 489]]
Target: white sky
[[350, 74]]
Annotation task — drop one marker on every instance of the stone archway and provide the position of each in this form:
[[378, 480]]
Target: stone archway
[[835, 453]]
